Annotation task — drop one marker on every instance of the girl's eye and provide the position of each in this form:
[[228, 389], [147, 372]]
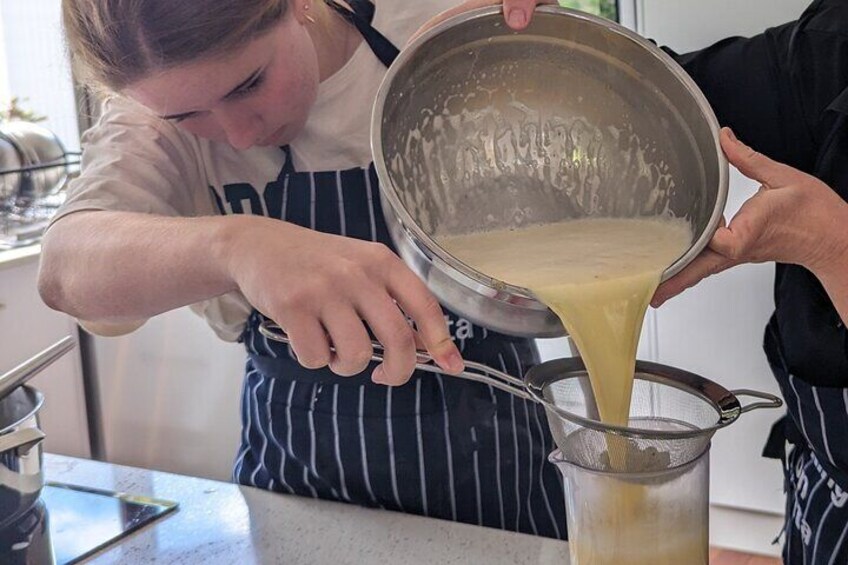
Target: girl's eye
[[251, 86], [246, 90]]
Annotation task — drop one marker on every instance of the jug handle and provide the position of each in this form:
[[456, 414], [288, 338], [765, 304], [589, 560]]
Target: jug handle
[[473, 371], [771, 401]]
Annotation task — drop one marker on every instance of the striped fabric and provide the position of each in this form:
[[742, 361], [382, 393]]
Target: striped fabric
[[817, 516], [438, 446], [816, 469]]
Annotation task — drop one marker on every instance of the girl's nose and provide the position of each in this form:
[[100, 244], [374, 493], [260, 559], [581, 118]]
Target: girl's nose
[[243, 129]]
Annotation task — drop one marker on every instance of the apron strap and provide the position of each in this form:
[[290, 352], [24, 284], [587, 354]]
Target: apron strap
[[784, 430], [381, 46], [361, 17], [288, 166]]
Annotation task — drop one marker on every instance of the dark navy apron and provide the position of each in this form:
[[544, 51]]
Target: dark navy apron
[[438, 446], [815, 466]]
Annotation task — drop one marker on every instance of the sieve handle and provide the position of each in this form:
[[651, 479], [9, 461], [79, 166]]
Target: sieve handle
[[423, 361], [771, 401]]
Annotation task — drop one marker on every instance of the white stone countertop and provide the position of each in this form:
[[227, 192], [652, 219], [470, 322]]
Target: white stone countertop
[[220, 522], [12, 257]]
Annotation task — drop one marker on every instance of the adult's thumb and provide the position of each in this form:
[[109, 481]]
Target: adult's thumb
[[754, 164], [727, 243]]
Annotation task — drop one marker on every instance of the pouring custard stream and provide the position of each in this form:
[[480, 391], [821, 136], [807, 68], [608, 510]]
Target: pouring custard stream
[[597, 275]]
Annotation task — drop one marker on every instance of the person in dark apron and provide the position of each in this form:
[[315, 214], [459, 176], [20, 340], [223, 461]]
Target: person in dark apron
[[438, 446], [785, 93], [182, 138]]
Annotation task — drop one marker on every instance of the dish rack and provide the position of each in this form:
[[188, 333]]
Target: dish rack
[[24, 218]]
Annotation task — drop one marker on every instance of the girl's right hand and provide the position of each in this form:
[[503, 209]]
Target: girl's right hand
[[328, 290]]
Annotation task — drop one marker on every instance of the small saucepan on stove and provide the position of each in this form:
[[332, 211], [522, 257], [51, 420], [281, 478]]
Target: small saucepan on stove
[[21, 474]]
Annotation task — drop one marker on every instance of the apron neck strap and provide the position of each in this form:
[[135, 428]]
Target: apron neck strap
[[361, 15]]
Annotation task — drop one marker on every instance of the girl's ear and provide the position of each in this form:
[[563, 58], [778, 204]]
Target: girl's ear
[[301, 11]]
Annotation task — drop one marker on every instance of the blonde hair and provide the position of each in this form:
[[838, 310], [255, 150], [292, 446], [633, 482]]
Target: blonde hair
[[114, 43]]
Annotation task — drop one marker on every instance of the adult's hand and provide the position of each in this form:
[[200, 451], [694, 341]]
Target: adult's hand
[[517, 13], [328, 290], [793, 218]]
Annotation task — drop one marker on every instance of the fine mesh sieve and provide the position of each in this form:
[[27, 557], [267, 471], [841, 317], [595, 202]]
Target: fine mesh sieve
[[673, 416], [673, 413]]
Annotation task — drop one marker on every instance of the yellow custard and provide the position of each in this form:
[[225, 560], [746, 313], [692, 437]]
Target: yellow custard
[[598, 276]]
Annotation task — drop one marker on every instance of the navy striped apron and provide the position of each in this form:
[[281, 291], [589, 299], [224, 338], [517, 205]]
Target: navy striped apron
[[438, 446], [816, 465]]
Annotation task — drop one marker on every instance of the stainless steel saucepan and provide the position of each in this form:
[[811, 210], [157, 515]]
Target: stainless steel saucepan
[[21, 474], [477, 127]]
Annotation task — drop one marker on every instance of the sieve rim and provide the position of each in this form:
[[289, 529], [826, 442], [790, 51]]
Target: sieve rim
[[725, 404]]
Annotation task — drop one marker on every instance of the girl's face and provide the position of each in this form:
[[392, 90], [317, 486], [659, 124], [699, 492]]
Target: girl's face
[[259, 95]]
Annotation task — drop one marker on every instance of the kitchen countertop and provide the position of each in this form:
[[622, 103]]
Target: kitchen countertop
[[220, 522], [12, 257]]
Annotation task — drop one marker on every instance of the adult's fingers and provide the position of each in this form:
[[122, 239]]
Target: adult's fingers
[[707, 263], [732, 242], [755, 165]]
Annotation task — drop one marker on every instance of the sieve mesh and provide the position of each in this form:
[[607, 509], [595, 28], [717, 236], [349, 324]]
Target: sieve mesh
[[668, 426]]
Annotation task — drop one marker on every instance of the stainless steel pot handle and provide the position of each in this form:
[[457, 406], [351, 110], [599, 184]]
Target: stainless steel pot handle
[[31, 367], [22, 441], [771, 401], [473, 371]]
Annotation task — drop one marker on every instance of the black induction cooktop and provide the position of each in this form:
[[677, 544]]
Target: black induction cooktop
[[70, 523]]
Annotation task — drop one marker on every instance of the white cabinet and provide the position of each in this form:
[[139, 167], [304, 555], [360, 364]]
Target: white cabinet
[[27, 326], [169, 396]]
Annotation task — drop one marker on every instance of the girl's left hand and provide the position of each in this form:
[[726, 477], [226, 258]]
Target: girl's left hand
[[793, 218], [517, 13]]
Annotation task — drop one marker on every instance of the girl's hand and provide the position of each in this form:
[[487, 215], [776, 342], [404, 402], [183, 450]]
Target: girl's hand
[[793, 218], [328, 290], [517, 13]]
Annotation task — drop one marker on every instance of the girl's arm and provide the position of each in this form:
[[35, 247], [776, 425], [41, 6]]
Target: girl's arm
[[113, 269]]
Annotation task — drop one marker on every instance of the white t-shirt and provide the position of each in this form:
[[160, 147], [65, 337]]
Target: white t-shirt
[[134, 161]]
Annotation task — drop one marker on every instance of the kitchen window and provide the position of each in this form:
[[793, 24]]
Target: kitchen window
[[606, 8], [34, 66]]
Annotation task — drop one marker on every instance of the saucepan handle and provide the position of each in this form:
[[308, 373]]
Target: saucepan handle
[[22, 373], [769, 400], [424, 362], [21, 440]]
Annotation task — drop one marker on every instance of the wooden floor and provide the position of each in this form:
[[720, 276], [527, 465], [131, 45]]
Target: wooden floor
[[727, 557]]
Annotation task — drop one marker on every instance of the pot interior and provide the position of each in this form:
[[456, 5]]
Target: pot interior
[[17, 406]]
